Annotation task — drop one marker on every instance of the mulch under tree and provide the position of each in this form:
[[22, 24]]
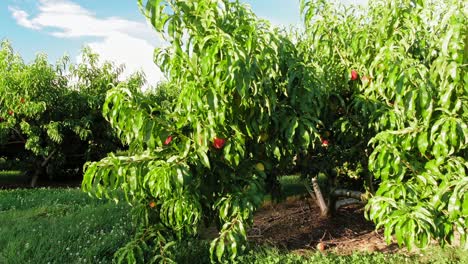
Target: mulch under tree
[[297, 225]]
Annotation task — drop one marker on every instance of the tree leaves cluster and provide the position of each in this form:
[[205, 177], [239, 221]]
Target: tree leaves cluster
[[412, 98], [378, 95], [51, 115], [242, 82]]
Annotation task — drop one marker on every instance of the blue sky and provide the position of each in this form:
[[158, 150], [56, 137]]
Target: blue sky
[[113, 28]]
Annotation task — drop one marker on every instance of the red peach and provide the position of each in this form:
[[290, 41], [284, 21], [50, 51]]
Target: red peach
[[354, 75], [324, 142], [168, 140], [218, 143]]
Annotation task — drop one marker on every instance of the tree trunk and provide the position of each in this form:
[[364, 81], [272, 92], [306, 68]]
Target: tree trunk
[[329, 207], [40, 168], [320, 201], [35, 177]]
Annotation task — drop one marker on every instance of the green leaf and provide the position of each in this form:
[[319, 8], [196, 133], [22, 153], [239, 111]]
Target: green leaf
[[203, 158], [220, 249], [423, 142]]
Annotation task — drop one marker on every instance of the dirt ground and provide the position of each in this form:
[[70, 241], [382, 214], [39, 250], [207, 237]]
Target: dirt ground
[[296, 225]]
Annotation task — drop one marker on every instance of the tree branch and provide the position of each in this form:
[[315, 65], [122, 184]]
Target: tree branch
[[46, 160], [14, 142], [20, 135], [348, 194], [346, 202]]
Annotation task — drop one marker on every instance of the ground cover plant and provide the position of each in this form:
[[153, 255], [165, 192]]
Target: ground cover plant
[[253, 99]]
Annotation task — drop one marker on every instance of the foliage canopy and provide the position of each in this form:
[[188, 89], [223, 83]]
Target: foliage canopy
[[51, 115], [378, 94]]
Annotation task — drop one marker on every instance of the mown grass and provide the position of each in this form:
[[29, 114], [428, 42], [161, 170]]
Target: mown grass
[[291, 185], [68, 226], [60, 226], [12, 177], [196, 253]]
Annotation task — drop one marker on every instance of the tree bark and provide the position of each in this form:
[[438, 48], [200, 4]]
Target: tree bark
[[37, 173], [320, 201]]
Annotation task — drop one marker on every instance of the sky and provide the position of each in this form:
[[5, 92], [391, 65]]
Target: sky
[[115, 29]]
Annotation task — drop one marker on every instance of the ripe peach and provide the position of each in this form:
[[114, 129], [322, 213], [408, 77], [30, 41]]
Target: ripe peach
[[354, 75], [218, 143], [168, 140]]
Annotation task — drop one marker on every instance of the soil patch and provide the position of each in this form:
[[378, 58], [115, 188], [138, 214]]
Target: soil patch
[[296, 225]]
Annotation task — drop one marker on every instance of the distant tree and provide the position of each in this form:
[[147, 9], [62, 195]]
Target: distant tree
[[51, 115]]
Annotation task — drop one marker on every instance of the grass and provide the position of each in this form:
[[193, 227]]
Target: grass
[[12, 177], [60, 226], [268, 255], [196, 253], [291, 185], [67, 226]]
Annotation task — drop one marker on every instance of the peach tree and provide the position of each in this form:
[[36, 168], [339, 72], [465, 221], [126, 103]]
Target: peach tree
[[50, 115], [248, 104], [378, 95], [408, 60]]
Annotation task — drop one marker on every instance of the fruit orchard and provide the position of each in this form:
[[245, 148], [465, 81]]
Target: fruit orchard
[[50, 115], [374, 100]]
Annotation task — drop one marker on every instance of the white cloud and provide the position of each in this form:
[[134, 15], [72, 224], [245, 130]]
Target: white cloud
[[119, 40], [21, 18], [119, 47]]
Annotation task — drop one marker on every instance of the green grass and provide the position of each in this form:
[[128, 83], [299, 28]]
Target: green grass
[[195, 252], [292, 185], [12, 177], [67, 226], [60, 226], [10, 173], [268, 256]]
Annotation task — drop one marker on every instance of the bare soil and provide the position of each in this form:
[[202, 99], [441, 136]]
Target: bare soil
[[296, 225]]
